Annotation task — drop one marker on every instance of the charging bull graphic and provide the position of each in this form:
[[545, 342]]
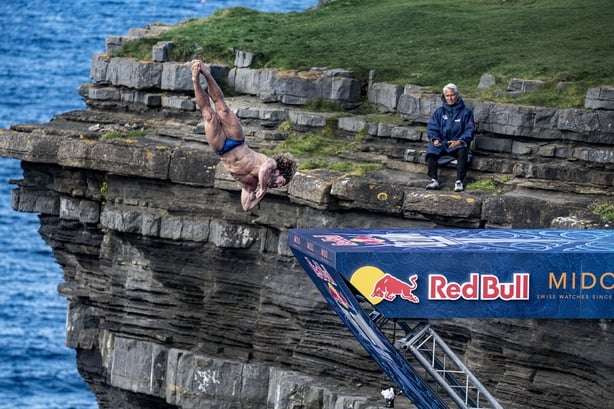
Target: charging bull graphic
[[338, 296], [389, 287]]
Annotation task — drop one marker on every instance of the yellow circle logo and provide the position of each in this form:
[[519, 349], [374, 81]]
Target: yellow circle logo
[[364, 280]]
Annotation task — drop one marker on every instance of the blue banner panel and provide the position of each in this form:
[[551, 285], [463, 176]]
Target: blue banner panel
[[422, 274]]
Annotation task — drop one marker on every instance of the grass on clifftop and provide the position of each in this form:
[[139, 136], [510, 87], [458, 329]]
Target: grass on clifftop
[[422, 42], [316, 150]]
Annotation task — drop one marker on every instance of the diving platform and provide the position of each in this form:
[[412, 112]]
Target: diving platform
[[379, 281]]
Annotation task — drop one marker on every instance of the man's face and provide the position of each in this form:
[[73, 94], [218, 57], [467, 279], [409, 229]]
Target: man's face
[[450, 96], [277, 180]]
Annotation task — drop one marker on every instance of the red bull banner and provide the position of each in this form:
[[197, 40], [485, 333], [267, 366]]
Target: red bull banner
[[423, 274]]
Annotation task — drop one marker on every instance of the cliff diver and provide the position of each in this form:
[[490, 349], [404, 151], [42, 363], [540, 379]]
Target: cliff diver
[[254, 171]]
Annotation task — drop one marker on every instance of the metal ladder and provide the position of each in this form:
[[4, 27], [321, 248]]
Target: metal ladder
[[445, 367]]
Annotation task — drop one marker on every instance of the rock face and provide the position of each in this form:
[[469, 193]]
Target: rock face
[[179, 299]]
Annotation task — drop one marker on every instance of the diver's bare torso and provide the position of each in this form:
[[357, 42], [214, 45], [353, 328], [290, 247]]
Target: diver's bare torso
[[243, 164]]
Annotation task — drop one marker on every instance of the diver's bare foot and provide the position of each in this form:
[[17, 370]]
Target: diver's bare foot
[[195, 70], [204, 68]]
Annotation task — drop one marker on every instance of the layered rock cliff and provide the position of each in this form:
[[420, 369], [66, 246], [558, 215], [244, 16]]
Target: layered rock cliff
[[179, 299]]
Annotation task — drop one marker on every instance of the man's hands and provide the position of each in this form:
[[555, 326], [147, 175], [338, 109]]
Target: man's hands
[[250, 199], [261, 192], [451, 144]]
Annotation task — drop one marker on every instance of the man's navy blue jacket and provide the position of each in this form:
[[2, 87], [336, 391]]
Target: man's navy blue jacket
[[448, 123]]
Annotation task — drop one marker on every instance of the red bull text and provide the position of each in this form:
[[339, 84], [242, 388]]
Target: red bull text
[[479, 287]]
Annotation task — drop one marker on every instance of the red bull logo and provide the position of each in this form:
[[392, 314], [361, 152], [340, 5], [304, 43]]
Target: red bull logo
[[337, 296], [389, 287], [367, 240], [322, 273], [320, 270], [377, 286], [335, 239]]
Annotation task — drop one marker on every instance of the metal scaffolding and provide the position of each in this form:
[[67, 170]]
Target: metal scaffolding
[[441, 363]]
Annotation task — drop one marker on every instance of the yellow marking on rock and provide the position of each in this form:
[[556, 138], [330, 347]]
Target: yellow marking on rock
[[382, 196]]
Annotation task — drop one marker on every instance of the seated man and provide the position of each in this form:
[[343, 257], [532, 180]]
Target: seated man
[[450, 131], [254, 171]]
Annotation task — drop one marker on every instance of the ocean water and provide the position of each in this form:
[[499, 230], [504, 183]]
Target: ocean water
[[45, 54]]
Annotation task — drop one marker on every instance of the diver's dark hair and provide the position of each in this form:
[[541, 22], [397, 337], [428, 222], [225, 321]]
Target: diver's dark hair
[[287, 166]]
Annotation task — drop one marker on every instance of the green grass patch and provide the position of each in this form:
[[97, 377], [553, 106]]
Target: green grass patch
[[605, 210], [318, 151], [422, 42], [130, 134], [285, 126], [104, 190], [322, 105], [314, 146], [486, 185]]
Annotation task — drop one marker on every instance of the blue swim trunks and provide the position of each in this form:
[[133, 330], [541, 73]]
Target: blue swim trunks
[[230, 144]]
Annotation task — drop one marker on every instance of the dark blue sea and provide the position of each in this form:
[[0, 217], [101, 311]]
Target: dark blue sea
[[45, 53]]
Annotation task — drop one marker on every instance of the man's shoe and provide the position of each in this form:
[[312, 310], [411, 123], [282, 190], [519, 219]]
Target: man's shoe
[[434, 185], [458, 186]]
